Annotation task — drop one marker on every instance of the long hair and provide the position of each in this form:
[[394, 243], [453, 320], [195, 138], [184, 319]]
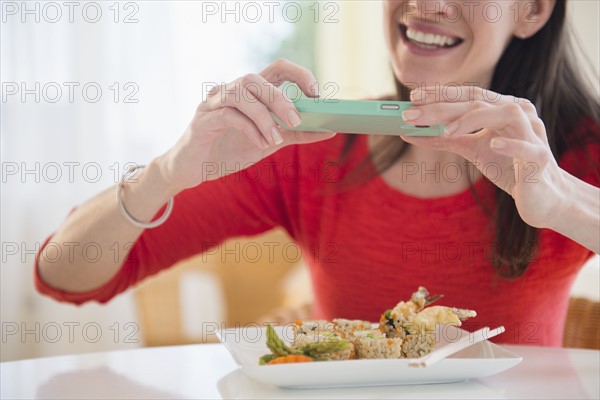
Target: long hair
[[541, 69]]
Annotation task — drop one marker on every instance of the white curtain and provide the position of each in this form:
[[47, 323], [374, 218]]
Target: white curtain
[[58, 151]]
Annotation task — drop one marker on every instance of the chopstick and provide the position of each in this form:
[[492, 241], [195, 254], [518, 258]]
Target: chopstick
[[464, 342]]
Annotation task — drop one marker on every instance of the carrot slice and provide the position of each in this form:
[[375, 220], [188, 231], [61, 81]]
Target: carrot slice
[[291, 358]]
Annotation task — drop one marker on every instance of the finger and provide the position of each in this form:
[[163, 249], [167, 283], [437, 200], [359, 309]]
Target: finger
[[273, 98], [467, 146], [283, 70], [302, 137], [453, 94], [467, 94], [440, 113], [509, 119], [440, 142], [216, 122], [237, 95], [446, 113]]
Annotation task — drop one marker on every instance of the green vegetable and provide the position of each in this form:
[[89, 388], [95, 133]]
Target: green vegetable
[[324, 347], [266, 358], [276, 345], [330, 344]]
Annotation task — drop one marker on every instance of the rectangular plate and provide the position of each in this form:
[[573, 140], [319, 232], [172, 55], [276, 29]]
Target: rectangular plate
[[482, 359], [357, 116]]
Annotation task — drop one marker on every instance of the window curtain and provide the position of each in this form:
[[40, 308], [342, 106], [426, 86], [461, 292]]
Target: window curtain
[[83, 96]]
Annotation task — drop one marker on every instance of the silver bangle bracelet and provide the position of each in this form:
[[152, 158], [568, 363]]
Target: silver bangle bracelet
[[125, 213]]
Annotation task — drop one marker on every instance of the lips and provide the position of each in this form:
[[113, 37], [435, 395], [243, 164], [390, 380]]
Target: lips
[[427, 37]]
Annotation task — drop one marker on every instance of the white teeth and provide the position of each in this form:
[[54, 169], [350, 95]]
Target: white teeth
[[429, 38]]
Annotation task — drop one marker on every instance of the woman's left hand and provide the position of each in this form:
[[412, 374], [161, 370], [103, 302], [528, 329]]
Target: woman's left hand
[[503, 137]]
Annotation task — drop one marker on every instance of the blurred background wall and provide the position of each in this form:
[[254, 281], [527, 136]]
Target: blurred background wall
[[137, 70]]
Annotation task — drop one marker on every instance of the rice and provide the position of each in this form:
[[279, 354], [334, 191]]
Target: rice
[[390, 330], [419, 344], [343, 355], [310, 328], [350, 325], [367, 347], [316, 337], [393, 321]]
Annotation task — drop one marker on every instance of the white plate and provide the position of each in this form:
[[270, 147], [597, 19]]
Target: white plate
[[247, 344]]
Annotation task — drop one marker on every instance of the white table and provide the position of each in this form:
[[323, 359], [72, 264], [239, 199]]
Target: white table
[[208, 371]]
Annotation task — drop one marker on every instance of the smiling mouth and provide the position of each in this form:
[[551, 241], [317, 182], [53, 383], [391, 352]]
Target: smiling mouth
[[427, 40]]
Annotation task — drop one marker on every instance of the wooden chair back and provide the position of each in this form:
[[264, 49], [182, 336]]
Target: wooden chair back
[[251, 287], [582, 328]]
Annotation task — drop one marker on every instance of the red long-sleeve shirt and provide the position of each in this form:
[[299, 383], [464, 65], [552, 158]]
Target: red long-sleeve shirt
[[370, 246]]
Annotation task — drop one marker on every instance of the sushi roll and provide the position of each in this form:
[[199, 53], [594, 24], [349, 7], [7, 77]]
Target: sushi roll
[[348, 326], [310, 329], [373, 344], [323, 345], [419, 344], [393, 322], [408, 330], [303, 327]]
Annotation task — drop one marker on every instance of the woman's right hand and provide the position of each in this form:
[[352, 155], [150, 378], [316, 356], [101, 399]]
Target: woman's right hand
[[233, 128]]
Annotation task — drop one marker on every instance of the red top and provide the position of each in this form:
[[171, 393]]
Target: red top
[[370, 246]]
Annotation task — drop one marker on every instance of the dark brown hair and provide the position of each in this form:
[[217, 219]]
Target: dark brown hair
[[543, 70]]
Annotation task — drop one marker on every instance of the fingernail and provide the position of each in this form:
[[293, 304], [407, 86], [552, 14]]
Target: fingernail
[[294, 118], [276, 135], [498, 143], [414, 96], [411, 113], [264, 142], [451, 128], [316, 89]]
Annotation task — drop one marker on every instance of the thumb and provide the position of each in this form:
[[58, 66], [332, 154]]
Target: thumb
[[303, 137]]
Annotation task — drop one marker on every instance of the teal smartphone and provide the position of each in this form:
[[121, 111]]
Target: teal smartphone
[[357, 116]]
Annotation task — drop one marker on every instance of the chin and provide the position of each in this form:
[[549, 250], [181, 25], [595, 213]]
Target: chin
[[412, 78]]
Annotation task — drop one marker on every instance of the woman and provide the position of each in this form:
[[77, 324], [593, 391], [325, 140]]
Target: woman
[[504, 233]]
